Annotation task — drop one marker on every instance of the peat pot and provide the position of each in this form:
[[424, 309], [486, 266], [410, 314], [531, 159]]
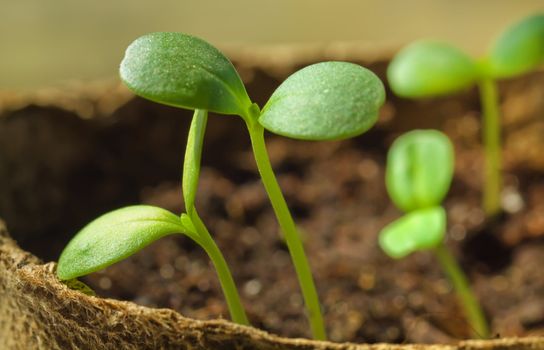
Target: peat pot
[[67, 156]]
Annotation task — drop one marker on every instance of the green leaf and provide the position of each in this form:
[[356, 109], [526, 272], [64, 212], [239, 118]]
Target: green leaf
[[115, 236], [519, 49], [419, 230], [193, 154], [325, 101], [419, 169], [427, 68], [183, 71]]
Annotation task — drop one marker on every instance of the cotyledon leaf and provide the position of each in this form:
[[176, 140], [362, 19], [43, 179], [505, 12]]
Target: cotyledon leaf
[[325, 101], [183, 71], [418, 230], [115, 236], [428, 68], [518, 49], [419, 170]]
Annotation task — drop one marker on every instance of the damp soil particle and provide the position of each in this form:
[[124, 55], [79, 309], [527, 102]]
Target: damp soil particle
[[337, 195]]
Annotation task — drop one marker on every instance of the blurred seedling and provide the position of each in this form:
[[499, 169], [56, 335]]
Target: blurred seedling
[[418, 176], [429, 68], [324, 101]]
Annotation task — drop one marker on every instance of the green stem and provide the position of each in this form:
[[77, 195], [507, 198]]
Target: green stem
[[228, 286], [191, 171], [193, 155], [492, 145], [292, 238], [473, 310]]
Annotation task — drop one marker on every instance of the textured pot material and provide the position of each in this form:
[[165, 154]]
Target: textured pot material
[[39, 312]]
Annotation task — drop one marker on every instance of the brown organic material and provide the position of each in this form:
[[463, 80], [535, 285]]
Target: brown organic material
[[37, 311]]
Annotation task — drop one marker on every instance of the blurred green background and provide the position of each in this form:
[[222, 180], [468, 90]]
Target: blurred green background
[[52, 42]]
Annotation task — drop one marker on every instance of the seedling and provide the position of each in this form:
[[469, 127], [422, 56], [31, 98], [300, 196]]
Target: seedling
[[324, 101], [428, 68], [118, 234], [418, 176]]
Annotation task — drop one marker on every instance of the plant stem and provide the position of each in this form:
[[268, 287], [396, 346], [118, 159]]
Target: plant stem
[[191, 171], [473, 310], [292, 238], [193, 155], [228, 286], [492, 145]]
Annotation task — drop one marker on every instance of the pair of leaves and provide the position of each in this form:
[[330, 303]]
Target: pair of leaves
[[418, 175], [429, 68], [325, 101], [330, 100]]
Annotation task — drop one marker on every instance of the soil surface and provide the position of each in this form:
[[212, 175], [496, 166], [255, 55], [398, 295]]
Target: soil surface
[[336, 193]]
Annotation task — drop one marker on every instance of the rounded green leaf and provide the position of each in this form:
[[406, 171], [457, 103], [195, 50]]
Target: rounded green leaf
[[115, 236], [519, 49], [419, 230], [419, 169], [325, 101], [183, 71], [427, 68]]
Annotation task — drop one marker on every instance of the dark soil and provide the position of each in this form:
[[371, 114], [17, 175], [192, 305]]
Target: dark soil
[[58, 171]]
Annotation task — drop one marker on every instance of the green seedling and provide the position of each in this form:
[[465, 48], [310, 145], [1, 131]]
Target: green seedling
[[426, 68], [418, 175], [324, 101], [118, 234]]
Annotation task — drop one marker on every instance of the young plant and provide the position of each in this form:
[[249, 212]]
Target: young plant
[[118, 234], [428, 68], [324, 101], [418, 175]]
